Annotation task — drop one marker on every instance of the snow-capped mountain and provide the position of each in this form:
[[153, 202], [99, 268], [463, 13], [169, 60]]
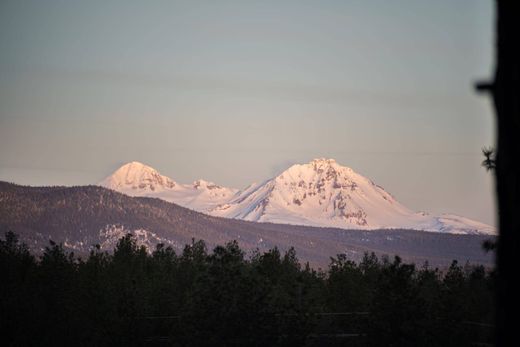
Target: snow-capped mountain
[[319, 193], [137, 179]]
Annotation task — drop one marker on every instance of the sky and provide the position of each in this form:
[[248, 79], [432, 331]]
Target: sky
[[236, 91]]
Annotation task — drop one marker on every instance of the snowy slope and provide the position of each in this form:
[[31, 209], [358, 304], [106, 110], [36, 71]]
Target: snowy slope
[[324, 193], [319, 193], [137, 179]]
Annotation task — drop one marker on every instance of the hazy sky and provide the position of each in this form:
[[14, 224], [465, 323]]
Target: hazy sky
[[236, 91]]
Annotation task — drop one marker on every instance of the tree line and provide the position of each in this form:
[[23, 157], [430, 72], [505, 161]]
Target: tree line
[[134, 297]]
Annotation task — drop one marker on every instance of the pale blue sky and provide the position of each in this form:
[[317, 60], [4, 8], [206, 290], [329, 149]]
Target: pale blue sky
[[235, 91]]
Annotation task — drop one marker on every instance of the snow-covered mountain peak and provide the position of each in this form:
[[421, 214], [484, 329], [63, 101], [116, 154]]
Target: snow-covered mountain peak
[[323, 161], [137, 179], [137, 176], [323, 168], [325, 193], [320, 173], [320, 162], [323, 164], [321, 192]]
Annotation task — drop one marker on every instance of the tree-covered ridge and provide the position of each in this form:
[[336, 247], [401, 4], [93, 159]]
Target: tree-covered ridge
[[133, 297], [83, 216]]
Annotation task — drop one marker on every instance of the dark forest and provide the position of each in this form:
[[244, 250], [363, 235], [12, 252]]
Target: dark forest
[[133, 297]]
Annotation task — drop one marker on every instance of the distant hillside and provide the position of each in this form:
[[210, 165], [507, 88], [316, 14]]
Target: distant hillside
[[81, 217]]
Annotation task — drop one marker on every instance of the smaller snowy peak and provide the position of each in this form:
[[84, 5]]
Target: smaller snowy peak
[[213, 191], [137, 179], [137, 176], [202, 184]]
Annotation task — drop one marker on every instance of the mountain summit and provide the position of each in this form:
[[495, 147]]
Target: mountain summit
[[319, 193], [137, 176]]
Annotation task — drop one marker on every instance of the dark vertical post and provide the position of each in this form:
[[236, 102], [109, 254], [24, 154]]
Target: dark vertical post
[[507, 105]]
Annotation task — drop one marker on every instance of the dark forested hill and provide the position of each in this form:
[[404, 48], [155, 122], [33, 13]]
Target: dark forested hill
[[81, 217]]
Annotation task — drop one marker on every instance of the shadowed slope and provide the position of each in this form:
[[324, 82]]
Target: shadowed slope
[[84, 216]]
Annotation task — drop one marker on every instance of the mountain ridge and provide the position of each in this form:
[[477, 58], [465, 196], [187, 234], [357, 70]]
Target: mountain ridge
[[319, 193], [82, 216]]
